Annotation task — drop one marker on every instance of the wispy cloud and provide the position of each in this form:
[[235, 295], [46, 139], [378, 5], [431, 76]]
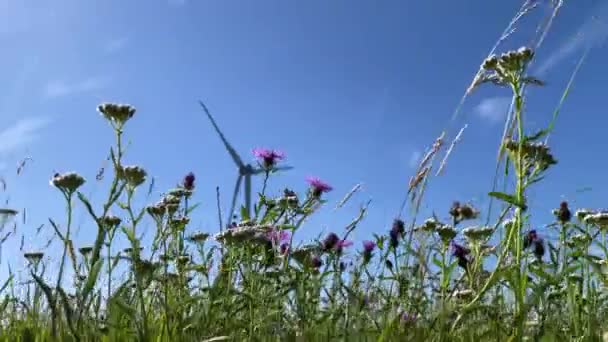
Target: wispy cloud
[[62, 88], [116, 44], [592, 33], [21, 133], [493, 109]]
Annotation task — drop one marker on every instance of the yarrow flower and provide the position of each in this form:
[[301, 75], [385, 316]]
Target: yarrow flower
[[268, 157], [318, 187], [116, 114], [68, 182], [563, 214], [462, 212], [134, 175]]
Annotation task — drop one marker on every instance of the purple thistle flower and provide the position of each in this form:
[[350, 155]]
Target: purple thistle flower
[[341, 244], [530, 238], [189, 181], [394, 238], [330, 241], [316, 262], [461, 252], [368, 246], [368, 249], [268, 157], [284, 248], [279, 236], [318, 186]]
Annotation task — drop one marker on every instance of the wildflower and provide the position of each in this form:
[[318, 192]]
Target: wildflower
[[461, 253], [368, 249], [68, 183], [599, 219], [269, 158], [389, 264], [34, 257], [188, 182], [289, 199], [110, 221], [532, 239], [341, 244], [278, 236], [198, 237], [134, 175], [582, 213], [316, 262], [462, 294], [157, 211], [563, 214], [446, 233], [318, 187], [85, 250], [330, 241], [478, 234], [397, 231], [464, 212], [116, 114], [429, 225], [284, 248], [342, 266]]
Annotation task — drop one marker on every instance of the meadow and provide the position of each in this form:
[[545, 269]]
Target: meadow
[[423, 279]]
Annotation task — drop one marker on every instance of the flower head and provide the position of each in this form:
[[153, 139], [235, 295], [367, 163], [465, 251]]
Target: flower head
[[269, 158], [341, 244], [116, 114], [369, 246], [330, 241], [316, 262], [278, 236], [368, 249], [188, 182], [85, 250], [318, 187], [68, 183], [134, 175], [461, 253], [33, 257], [563, 214]]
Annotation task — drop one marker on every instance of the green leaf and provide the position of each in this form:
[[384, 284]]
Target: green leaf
[[91, 279], [87, 204], [191, 208], [537, 135], [508, 198], [244, 214], [124, 307]]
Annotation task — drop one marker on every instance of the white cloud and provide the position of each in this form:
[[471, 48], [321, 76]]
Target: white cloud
[[592, 33], [21, 133], [62, 88], [115, 45], [493, 109]]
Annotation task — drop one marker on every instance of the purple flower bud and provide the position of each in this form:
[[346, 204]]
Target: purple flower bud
[[189, 181], [330, 241], [368, 246], [316, 262]]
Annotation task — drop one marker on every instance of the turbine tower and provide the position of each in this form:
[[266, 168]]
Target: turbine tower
[[244, 170]]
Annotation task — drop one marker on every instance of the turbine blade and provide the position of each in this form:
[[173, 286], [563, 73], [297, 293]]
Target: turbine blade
[[248, 194], [284, 168], [235, 156], [234, 196]]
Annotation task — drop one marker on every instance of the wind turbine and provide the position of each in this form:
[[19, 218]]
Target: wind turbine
[[244, 170]]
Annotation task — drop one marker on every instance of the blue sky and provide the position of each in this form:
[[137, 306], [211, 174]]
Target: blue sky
[[351, 91]]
